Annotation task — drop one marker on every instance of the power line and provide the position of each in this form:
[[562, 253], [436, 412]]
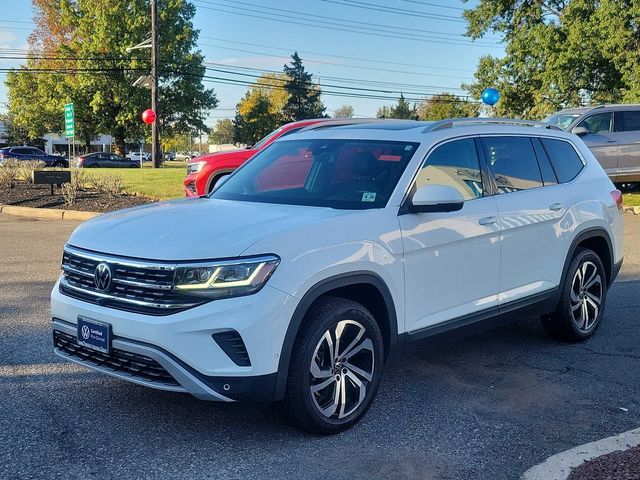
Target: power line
[[385, 87], [345, 57], [358, 67], [216, 79], [395, 10], [340, 28], [340, 79], [430, 4], [305, 15]]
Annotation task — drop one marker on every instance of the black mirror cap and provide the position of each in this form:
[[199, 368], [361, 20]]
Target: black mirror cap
[[438, 208]]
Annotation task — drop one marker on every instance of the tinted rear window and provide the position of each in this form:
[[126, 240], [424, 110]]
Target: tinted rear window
[[565, 160], [630, 122], [513, 163]]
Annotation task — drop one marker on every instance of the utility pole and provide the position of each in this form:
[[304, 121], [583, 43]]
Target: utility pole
[[155, 150]]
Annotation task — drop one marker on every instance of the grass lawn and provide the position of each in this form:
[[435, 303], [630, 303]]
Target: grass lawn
[[161, 183], [632, 199]]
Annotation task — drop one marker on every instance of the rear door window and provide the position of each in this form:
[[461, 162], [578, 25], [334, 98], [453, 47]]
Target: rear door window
[[513, 163], [628, 121], [566, 162]]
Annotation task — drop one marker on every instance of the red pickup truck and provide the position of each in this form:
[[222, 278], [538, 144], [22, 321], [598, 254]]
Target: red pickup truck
[[205, 171]]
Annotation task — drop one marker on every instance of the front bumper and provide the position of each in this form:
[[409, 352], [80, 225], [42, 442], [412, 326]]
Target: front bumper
[[182, 344]]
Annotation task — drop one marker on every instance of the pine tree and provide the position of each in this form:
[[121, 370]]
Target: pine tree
[[304, 97]]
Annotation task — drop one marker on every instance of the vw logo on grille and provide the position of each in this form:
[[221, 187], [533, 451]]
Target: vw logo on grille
[[102, 277], [86, 333]]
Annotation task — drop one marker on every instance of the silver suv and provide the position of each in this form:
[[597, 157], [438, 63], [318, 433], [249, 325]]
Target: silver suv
[[612, 133]]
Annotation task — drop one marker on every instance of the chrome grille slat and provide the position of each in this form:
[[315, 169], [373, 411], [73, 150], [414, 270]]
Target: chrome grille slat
[[137, 286]]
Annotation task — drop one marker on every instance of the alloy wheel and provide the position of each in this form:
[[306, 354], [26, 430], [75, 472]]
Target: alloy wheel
[[342, 369], [586, 296]]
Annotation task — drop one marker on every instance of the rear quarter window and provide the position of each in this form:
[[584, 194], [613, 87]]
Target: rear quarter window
[[564, 159]]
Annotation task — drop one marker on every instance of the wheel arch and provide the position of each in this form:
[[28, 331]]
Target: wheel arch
[[366, 288], [598, 240], [215, 175]]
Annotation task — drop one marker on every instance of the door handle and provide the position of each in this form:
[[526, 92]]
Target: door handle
[[487, 220], [556, 206], [611, 141]]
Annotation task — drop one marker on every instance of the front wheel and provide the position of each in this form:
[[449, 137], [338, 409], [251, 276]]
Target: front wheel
[[336, 366], [582, 300]]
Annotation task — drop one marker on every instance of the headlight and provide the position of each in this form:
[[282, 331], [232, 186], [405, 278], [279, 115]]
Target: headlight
[[225, 279], [195, 167]]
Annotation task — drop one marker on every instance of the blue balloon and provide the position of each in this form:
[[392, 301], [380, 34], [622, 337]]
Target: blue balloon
[[490, 96]]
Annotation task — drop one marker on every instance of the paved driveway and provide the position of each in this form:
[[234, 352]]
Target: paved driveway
[[485, 407]]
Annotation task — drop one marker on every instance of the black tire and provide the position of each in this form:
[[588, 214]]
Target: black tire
[[563, 324], [303, 406]]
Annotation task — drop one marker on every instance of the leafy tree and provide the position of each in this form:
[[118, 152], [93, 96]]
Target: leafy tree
[[86, 42], [402, 110], [254, 119], [446, 105], [177, 142], [223, 132], [304, 97], [15, 135], [345, 111], [558, 53]]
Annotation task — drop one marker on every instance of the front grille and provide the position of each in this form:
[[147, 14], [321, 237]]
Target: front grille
[[139, 287], [120, 361], [191, 186]]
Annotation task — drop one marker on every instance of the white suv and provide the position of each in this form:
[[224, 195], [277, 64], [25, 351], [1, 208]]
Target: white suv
[[320, 258]]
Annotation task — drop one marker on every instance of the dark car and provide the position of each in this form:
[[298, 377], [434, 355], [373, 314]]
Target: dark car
[[106, 160], [32, 153]]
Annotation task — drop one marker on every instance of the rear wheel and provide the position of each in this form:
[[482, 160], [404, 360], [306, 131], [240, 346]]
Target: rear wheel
[[336, 367], [582, 301]]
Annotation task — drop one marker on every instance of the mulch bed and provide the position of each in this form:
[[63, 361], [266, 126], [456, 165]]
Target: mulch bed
[[614, 466], [39, 196]]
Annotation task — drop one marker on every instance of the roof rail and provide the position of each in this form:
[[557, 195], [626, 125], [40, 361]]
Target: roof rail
[[450, 122]]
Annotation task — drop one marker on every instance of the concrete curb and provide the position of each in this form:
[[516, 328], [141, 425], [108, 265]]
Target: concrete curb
[[47, 213], [558, 467], [635, 210]]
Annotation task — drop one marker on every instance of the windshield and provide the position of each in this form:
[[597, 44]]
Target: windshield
[[265, 139], [349, 174], [562, 120]]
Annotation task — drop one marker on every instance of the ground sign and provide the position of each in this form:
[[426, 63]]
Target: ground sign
[[69, 121]]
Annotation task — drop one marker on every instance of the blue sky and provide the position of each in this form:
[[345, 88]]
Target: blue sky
[[414, 46]]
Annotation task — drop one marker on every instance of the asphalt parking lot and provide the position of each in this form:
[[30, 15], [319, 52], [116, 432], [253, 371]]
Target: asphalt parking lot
[[489, 406]]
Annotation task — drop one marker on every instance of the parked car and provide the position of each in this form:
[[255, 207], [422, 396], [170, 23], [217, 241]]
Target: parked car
[[182, 156], [207, 171], [106, 160], [32, 153], [612, 133], [170, 156], [135, 156], [331, 249]]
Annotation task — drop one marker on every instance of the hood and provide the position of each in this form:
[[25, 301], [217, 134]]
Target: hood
[[191, 229], [242, 153]]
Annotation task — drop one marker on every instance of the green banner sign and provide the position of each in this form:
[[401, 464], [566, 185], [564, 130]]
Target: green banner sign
[[69, 121]]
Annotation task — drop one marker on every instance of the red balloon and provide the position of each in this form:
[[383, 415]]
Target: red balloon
[[148, 116]]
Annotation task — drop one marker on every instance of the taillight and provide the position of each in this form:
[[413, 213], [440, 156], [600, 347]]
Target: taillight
[[616, 195]]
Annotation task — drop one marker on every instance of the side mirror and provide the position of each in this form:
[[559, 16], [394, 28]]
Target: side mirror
[[436, 198], [580, 131]]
